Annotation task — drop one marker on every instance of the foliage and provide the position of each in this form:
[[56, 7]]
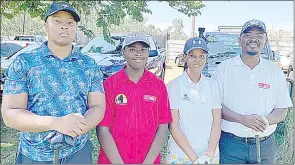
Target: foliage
[[108, 13]]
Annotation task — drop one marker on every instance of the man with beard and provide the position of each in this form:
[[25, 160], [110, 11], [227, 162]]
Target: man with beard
[[135, 125], [54, 89], [254, 98]]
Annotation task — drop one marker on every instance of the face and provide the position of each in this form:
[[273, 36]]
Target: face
[[61, 28], [196, 59], [136, 55], [253, 41]]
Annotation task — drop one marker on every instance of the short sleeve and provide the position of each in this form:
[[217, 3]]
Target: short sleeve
[[109, 112], [164, 106], [15, 81], [217, 76], [173, 96], [97, 80], [216, 102], [283, 99]]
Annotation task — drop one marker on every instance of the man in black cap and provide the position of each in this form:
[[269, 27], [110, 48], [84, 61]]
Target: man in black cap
[[54, 95], [254, 98]]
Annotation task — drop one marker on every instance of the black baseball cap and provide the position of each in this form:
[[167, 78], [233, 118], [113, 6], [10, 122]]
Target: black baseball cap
[[62, 6]]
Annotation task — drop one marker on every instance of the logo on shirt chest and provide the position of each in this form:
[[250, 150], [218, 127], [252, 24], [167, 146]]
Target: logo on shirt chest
[[121, 99], [186, 97], [263, 86], [149, 98]]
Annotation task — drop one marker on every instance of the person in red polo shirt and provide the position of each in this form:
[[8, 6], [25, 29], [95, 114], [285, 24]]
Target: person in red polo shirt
[[137, 114]]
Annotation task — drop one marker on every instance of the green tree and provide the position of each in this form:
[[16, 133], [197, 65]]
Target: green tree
[[176, 30], [108, 13]]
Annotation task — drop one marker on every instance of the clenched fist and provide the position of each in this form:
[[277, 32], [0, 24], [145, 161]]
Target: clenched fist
[[254, 122], [72, 124]]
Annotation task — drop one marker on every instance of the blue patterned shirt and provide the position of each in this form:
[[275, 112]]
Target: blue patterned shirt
[[55, 87]]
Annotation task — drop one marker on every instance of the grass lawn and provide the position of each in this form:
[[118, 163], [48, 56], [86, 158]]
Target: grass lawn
[[284, 135]]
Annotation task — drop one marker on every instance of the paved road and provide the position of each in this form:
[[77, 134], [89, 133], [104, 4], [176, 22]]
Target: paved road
[[172, 71]]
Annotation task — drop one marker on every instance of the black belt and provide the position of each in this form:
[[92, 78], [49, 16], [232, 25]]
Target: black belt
[[248, 140]]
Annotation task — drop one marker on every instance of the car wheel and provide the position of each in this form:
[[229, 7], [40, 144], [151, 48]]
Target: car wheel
[[177, 61], [185, 67]]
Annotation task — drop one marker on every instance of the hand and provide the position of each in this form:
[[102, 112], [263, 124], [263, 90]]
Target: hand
[[72, 124], [204, 159], [254, 122]]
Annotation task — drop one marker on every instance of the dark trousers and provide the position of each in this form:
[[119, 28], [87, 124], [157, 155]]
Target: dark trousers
[[236, 150], [84, 156]]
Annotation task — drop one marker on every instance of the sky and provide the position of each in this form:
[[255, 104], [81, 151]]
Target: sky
[[275, 14]]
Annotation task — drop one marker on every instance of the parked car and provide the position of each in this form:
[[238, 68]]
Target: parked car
[[225, 45], [180, 60], [109, 56], [26, 40], [286, 62], [6, 61], [8, 48]]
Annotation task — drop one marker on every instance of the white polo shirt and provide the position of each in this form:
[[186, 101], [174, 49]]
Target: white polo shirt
[[245, 91], [195, 103]]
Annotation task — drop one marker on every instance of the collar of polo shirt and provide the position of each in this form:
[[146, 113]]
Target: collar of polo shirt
[[125, 78], [188, 80], [262, 64], [75, 54]]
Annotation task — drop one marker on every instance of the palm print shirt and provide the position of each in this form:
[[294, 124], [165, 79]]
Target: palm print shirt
[[55, 87]]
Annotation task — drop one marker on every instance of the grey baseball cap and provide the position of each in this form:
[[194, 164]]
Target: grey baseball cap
[[253, 23], [132, 38]]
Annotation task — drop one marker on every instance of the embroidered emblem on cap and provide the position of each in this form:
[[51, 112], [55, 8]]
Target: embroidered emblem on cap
[[64, 5], [200, 42]]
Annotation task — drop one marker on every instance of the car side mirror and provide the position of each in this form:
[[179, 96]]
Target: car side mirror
[[153, 53]]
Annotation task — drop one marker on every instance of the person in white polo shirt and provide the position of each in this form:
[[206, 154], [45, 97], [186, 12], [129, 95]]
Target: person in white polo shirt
[[196, 111], [254, 98]]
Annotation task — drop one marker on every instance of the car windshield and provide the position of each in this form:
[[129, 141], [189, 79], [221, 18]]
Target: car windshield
[[99, 46], [25, 49], [227, 44], [8, 49], [223, 44]]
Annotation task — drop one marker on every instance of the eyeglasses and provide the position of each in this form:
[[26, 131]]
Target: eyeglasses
[[201, 57]]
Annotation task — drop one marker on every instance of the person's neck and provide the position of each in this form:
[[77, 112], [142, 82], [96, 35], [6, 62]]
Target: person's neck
[[134, 74], [250, 61], [195, 76], [60, 51]]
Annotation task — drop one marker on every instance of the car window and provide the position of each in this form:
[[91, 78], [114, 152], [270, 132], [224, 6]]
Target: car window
[[100, 46], [14, 48], [219, 44], [25, 49], [5, 52], [26, 38]]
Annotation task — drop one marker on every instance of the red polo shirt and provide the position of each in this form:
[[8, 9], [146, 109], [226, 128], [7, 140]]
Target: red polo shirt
[[133, 113]]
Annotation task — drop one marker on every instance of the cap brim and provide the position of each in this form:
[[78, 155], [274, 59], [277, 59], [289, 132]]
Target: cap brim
[[74, 14], [147, 44], [196, 48], [262, 29]]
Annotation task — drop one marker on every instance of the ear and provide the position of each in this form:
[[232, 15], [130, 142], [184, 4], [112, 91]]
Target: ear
[[46, 26], [239, 39]]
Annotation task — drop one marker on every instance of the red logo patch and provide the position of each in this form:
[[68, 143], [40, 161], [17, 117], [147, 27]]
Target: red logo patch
[[263, 85], [149, 98]]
